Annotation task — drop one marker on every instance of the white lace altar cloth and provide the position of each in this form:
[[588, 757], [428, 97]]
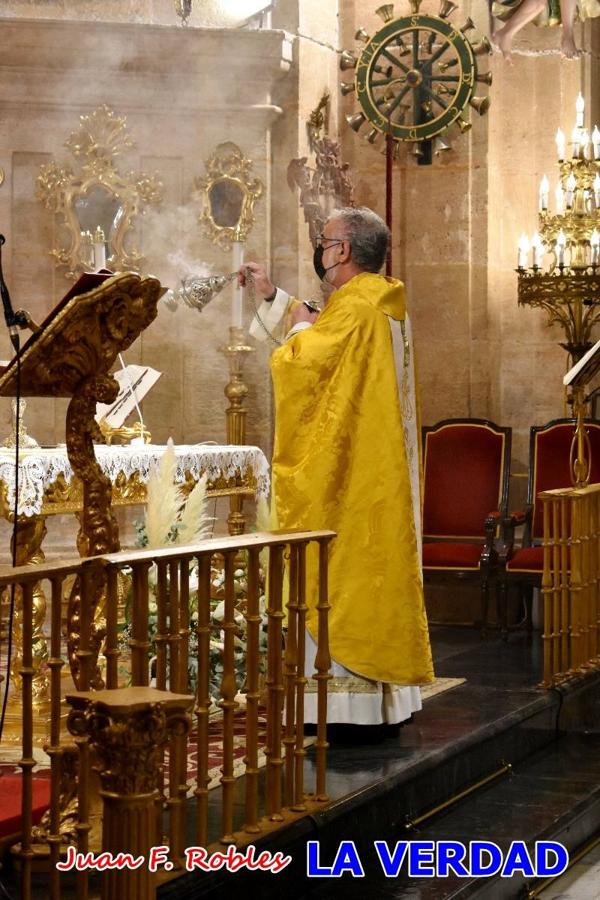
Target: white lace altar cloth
[[40, 467]]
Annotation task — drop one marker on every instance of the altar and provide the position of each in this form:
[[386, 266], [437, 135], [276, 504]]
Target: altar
[[48, 486]]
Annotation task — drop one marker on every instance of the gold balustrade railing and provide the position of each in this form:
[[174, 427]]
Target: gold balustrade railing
[[81, 741], [571, 582]]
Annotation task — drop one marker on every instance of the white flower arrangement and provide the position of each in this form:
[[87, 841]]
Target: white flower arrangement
[[171, 519]]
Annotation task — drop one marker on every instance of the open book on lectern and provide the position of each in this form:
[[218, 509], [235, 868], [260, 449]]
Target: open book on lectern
[[584, 370]]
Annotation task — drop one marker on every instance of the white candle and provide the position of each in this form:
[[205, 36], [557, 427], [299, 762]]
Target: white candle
[[595, 242], [560, 248], [596, 142], [560, 144], [571, 185], [544, 189], [99, 249], [585, 141], [560, 200], [538, 250], [238, 292], [597, 191], [523, 251], [580, 108], [575, 142]]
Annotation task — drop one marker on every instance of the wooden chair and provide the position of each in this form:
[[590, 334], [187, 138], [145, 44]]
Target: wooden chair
[[466, 468], [549, 468]]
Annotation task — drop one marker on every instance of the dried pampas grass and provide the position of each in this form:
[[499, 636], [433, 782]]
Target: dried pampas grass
[[194, 524], [169, 517], [164, 500]]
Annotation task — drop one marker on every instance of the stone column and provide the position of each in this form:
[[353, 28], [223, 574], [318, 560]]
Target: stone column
[[128, 729]]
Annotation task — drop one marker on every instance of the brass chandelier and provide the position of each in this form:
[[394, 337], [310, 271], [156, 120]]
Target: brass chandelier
[[559, 269]]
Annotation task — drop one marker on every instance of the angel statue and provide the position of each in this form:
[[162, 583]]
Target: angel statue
[[518, 13]]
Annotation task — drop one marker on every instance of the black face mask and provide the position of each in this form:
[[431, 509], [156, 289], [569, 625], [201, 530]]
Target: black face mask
[[319, 268]]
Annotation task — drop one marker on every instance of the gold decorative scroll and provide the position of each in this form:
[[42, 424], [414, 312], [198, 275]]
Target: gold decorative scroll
[[228, 194], [100, 138]]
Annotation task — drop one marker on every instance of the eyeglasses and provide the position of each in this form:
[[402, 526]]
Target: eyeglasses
[[331, 240]]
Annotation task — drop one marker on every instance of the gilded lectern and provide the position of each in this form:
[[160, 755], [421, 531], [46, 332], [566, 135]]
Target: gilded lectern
[[71, 355]]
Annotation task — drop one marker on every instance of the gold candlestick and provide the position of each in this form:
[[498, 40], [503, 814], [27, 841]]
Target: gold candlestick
[[236, 391]]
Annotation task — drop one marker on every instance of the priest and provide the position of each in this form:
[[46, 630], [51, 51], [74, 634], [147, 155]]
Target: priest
[[346, 457]]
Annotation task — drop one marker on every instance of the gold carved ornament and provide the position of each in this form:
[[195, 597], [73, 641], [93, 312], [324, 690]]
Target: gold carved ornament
[[227, 194], [101, 137], [327, 183]]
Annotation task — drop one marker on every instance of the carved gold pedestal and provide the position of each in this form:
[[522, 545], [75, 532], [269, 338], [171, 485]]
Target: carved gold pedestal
[[236, 391], [128, 729]]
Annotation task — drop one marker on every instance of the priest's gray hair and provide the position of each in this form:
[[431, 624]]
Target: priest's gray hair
[[367, 233]]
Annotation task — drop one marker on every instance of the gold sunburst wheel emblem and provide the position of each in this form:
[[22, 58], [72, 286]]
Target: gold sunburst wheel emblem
[[415, 77]]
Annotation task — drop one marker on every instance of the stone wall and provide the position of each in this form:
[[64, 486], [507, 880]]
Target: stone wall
[[182, 91]]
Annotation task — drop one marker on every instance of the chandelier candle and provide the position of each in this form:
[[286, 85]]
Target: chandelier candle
[[544, 189], [596, 142]]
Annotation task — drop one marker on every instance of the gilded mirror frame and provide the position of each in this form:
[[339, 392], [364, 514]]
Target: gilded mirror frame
[[100, 138], [228, 165]]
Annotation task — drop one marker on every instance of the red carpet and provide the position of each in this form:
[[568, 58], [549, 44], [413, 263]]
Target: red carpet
[[10, 798]]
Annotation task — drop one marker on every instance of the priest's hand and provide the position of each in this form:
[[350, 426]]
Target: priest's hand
[[301, 313], [263, 284]]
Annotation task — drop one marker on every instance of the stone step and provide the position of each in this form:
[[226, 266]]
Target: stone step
[[459, 738]]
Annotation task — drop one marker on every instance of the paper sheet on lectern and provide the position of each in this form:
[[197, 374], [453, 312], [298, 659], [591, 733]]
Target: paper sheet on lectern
[[134, 384]]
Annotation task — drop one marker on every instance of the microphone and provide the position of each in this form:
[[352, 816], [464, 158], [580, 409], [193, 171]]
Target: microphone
[[13, 319]]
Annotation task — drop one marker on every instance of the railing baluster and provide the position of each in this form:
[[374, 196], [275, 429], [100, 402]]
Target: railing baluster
[[557, 577], [547, 586], [564, 586], [575, 591], [585, 581], [180, 617], [177, 762], [88, 591], [174, 637], [289, 677], [161, 625], [596, 572], [139, 642], [203, 698], [111, 651], [252, 692], [227, 702], [322, 665], [184, 624], [301, 680], [274, 683], [55, 663], [27, 762]]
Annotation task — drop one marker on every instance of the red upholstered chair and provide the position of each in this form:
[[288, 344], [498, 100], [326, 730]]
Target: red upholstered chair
[[549, 468], [466, 466]]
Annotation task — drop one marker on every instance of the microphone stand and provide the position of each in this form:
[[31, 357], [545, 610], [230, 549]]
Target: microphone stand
[[14, 321]]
